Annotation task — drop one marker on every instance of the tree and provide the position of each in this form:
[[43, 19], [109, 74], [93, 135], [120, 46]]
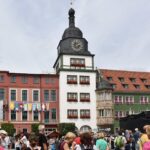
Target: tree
[[9, 128], [66, 127], [34, 128]]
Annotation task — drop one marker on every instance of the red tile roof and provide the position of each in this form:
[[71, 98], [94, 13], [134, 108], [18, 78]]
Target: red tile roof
[[142, 80]]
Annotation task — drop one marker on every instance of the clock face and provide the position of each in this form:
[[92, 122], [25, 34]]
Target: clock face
[[76, 45]]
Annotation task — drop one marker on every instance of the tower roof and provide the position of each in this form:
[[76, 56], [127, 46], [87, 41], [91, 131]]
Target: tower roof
[[72, 31]]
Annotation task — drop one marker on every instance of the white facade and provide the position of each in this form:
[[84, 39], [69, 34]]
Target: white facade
[[78, 88]]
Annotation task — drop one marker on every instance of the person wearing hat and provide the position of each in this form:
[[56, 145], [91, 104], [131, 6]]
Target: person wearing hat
[[3, 134], [42, 138]]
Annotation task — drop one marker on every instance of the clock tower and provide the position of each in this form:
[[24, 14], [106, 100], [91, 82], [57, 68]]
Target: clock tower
[[77, 78]]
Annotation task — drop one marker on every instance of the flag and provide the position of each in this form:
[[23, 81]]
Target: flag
[[11, 105], [30, 107]]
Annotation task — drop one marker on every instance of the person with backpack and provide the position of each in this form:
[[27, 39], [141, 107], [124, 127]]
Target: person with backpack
[[101, 143], [120, 141], [86, 142], [144, 141]]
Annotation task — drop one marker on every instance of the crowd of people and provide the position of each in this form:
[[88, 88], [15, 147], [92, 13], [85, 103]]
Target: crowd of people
[[122, 140]]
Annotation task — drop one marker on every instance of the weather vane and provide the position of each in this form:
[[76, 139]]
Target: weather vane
[[71, 3]]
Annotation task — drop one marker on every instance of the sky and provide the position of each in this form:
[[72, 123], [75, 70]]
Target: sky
[[118, 33]]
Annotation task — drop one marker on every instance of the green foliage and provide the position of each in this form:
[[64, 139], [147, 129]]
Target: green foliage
[[66, 127], [9, 128], [34, 128]]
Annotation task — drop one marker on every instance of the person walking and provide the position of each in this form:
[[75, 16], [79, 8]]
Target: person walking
[[120, 141], [101, 143], [42, 138], [86, 142]]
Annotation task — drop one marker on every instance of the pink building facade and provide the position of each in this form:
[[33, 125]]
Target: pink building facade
[[29, 99]]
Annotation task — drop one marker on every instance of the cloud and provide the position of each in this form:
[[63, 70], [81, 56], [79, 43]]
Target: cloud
[[117, 31]]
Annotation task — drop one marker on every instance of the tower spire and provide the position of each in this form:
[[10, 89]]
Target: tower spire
[[71, 17]]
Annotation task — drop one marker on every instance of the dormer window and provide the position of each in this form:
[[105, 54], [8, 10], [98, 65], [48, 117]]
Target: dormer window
[[77, 62], [143, 80], [137, 86], [125, 86], [147, 86], [121, 79], [109, 78], [113, 86], [132, 79]]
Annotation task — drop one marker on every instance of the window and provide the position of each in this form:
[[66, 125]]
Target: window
[[77, 62], [147, 86], [13, 115], [2, 94], [36, 80], [143, 80], [125, 86], [137, 86], [101, 112], [46, 95], [144, 100], [52, 80], [24, 79], [113, 86], [129, 99], [119, 114], [109, 78], [35, 95], [13, 79], [121, 79], [72, 97], [71, 79], [85, 97], [53, 95], [47, 80], [24, 115], [1, 78], [24, 95], [84, 113], [72, 113], [46, 116], [118, 99], [84, 80], [36, 115], [13, 95], [53, 113], [132, 79], [103, 96]]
